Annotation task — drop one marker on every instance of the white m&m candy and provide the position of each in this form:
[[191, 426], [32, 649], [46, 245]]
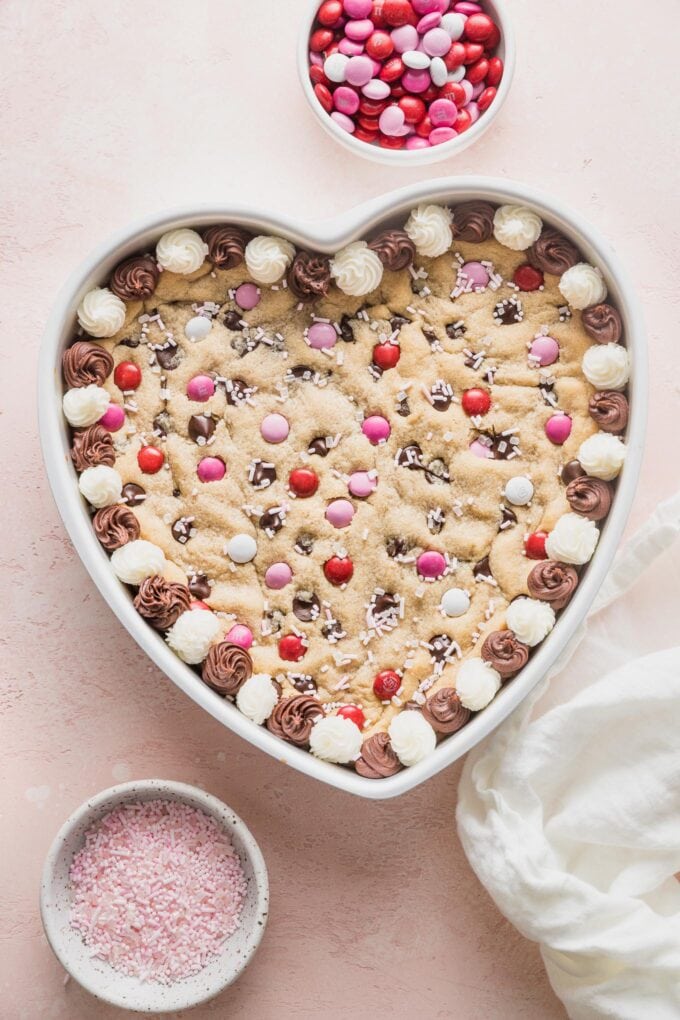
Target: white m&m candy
[[455, 602], [242, 548], [519, 490]]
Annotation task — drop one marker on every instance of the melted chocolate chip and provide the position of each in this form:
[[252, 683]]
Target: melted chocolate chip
[[508, 518], [163, 424], [272, 520], [199, 586], [333, 631], [319, 447], [482, 570], [410, 457], [169, 356], [346, 331], [232, 320], [306, 606], [436, 519], [456, 330], [275, 619], [437, 473], [397, 321], [508, 311], [385, 604], [261, 474], [547, 390], [201, 428], [244, 345], [441, 394], [133, 494], [302, 682], [304, 544], [237, 391], [129, 341], [181, 530], [397, 547], [403, 407], [440, 647], [500, 446], [571, 471]]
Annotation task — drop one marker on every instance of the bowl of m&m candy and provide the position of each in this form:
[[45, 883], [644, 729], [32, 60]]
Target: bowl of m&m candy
[[406, 81]]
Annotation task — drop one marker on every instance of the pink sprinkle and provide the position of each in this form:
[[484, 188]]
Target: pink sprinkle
[[157, 888]]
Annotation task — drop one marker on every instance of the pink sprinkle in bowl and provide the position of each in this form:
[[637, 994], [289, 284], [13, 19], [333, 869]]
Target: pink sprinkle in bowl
[[97, 976]]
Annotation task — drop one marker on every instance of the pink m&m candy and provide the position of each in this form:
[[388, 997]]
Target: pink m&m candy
[[359, 30], [558, 428], [416, 81], [431, 564], [247, 296], [362, 484], [376, 429], [240, 635], [441, 135], [479, 449], [350, 48], [475, 273], [211, 469], [200, 388], [113, 418], [346, 100], [545, 350], [340, 513], [357, 8], [443, 112], [437, 42], [415, 142], [359, 70], [277, 576], [428, 21], [322, 335], [274, 428], [344, 122], [426, 6]]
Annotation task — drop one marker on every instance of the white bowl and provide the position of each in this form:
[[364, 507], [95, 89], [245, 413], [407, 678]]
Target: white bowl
[[329, 236], [96, 975], [498, 10]]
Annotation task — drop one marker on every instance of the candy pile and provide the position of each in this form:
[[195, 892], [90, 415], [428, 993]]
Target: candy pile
[[404, 73], [156, 889]]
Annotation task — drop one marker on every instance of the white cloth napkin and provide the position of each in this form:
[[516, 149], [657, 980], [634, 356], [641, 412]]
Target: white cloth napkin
[[572, 819]]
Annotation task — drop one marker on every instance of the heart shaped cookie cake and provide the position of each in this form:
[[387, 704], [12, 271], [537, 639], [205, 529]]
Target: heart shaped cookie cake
[[353, 491]]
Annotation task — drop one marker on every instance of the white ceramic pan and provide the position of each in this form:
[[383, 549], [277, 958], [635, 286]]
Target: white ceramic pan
[[329, 236]]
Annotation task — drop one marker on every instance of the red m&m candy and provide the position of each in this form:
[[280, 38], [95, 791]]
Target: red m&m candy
[[150, 460], [386, 684], [338, 570], [127, 375], [475, 401], [527, 278], [329, 13], [479, 28], [387, 355], [397, 12], [379, 46], [534, 545], [292, 648], [354, 714], [303, 482]]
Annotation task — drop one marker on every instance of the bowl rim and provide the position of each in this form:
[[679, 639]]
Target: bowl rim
[[507, 50], [96, 807], [328, 236]]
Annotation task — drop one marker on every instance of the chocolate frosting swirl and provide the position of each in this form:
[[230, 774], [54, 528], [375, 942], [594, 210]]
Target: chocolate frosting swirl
[[395, 249], [85, 364], [226, 245], [309, 276], [135, 279], [505, 653], [115, 526], [553, 253], [591, 497], [161, 602], [377, 759], [293, 718], [92, 446], [226, 668], [445, 712], [603, 323], [552, 582], [609, 410], [473, 222]]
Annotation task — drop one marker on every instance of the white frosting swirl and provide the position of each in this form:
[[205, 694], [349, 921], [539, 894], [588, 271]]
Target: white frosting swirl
[[192, 634], [412, 737], [84, 405], [335, 739], [516, 227], [477, 684], [607, 366], [257, 698], [530, 620], [429, 227], [572, 540], [181, 251], [101, 313], [356, 269], [583, 285], [101, 485], [602, 456], [268, 258], [137, 560]]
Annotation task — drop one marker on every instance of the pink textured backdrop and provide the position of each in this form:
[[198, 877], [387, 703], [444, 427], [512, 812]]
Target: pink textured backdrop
[[108, 111]]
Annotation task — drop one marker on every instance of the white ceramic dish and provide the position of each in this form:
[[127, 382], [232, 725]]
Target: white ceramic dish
[[329, 236], [96, 975], [498, 10]]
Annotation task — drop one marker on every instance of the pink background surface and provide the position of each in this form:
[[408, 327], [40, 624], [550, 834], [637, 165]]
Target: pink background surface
[[113, 110]]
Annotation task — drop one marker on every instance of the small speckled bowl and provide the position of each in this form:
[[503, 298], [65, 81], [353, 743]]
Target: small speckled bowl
[[97, 976]]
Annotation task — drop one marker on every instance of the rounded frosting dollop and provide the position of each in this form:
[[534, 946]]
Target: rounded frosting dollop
[[516, 227], [583, 285], [609, 409], [136, 560], [101, 485], [356, 269], [85, 405], [603, 323], [86, 364], [503, 650], [226, 668], [192, 633], [553, 253], [101, 313], [226, 245], [445, 711], [135, 279], [335, 739], [572, 540], [377, 759], [477, 684], [552, 582], [92, 446], [395, 249], [161, 602], [181, 251], [412, 737], [607, 366], [602, 455], [114, 526], [309, 277], [473, 222], [429, 227], [590, 497], [257, 697], [268, 258], [530, 620], [293, 718]]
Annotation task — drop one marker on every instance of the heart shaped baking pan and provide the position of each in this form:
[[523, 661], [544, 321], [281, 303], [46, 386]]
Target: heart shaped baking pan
[[520, 642]]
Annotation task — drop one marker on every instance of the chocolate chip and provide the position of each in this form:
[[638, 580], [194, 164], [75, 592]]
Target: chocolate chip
[[319, 447], [499, 445], [482, 569], [133, 494], [169, 356], [403, 407], [508, 517], [275, 619], [163, 424], [244, 345], [437, 473], [441, 394], [547, 390], [333, 631], [303, 372], [306, 606], [272, 520], [410, 457], [261, 475], [201, 428], [440, 647], [397, 321], [303, 682], [386, 604], [232, 320], [508, 312], [181, 530], [199, 586], [129, 341], [456, 330], [304, 544], [436, 519], [571, 471], [237, 391], [397, 547], [346, 331]]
